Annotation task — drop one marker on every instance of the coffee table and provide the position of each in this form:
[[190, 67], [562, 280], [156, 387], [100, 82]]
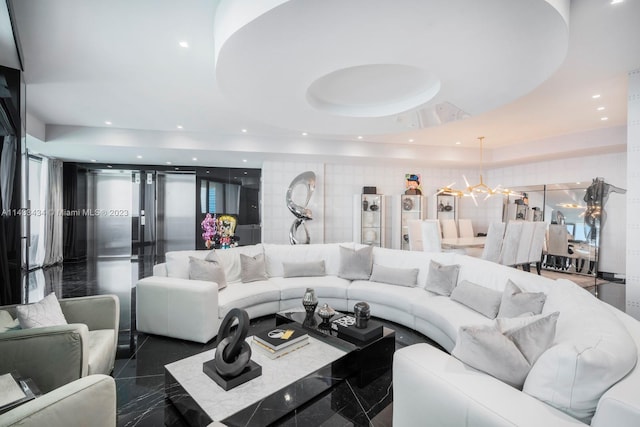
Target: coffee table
[[367, 359], [285, 384]]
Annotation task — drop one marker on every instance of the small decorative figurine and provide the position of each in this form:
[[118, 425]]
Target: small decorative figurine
[[326, 313]]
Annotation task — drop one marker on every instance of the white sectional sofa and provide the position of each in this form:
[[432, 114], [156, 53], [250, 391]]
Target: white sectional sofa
[[586, 376]]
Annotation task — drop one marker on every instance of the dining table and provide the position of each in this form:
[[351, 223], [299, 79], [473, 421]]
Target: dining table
[[464, 242]]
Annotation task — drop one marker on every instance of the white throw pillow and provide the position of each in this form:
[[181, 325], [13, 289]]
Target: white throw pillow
[[211, 271], [46, 312], [515, 302], [506, 356], [592, 351], [478, 298], [356, 264], [442, 278], [394, 276], [8, 323]]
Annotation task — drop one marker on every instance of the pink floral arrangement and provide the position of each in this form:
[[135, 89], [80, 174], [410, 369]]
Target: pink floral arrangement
[[210, 226]]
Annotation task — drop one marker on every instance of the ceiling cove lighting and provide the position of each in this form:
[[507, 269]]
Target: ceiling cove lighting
[[476, 189]]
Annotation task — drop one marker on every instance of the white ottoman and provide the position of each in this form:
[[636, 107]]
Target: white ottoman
[[177, 308]]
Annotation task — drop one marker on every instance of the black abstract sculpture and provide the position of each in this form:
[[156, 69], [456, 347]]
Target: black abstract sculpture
[[232, 364], [233, 352]]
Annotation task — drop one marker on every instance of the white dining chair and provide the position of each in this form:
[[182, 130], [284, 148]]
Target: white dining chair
[[493, 243], [559, 247], [415, 234], [538, 244], [449, 229], [524, 244], [465, 228], [510, 243], [431, 240]]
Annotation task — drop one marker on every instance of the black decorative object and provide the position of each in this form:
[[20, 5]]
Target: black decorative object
[[374, 207], [365, 204], [369, 190], [232, 364], [309, 301], [362, 313]]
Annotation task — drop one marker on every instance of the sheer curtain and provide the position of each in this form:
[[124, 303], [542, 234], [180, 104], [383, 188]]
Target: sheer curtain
[[49, 232]]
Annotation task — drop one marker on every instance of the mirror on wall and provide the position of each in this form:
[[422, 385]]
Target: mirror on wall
[[572, 242]]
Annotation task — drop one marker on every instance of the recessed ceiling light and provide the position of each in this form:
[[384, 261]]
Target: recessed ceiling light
[[107, 122], [168, 163], [139, 156], [177, 169], [179, 126], [207, 171], [244, 160], [109, 166], [245, 172], [195, 159], [578, 183], [304, 134], [93, 160], [596, 96], [359, 136], [604, 118], [184, 44], [411, 140], [244, 131], [458, 142], [600, 108]]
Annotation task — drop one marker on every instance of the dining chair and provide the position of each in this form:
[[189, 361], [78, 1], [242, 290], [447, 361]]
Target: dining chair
[[431, 240], [524, 245], [510, 243], [449, 229], [538, 244], [493, 243], [559, 247], [465, 228], [415, 234]]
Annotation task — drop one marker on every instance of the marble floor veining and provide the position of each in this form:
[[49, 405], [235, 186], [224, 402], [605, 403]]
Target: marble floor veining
[[139, 367]]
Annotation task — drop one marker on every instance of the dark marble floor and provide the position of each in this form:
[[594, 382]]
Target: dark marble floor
[[139, 367]]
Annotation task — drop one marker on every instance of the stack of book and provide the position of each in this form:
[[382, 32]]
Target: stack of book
[[278, 342]]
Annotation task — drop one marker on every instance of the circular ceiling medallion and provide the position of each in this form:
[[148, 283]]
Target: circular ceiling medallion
[[375, 90]]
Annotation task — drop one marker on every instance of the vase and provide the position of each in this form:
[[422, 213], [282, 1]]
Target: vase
[[326, 313], [365, 204], [309, 300], [362, 313]]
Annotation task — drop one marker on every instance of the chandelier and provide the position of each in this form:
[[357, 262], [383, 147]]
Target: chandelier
[[478, 189]]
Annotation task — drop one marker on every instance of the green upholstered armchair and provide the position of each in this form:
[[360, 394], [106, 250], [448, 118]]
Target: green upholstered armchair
[[56, 355]]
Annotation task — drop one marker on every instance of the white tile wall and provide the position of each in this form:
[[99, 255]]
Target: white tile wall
[[633, 195]]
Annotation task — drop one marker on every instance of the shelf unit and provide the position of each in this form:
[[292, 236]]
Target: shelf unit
[[369, 219], [411, 207], [446, 206]]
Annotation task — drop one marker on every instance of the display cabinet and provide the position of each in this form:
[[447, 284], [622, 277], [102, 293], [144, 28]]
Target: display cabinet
[[446, 206], [369, 219], [411, 207]]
